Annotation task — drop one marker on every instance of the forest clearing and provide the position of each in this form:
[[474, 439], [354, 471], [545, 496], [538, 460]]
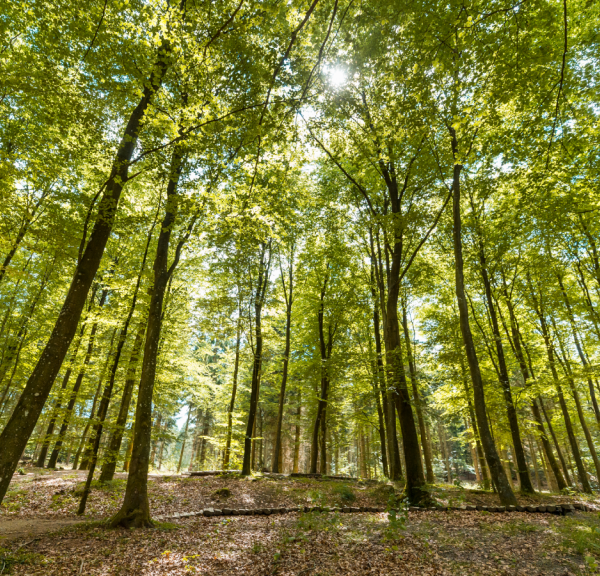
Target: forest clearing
[[304, 287]]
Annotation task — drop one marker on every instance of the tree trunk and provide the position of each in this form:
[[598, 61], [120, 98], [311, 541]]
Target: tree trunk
[[511, 412], [261, 289], [187, 423], [14, 347], [47, 439], [114, 444], [505, 492], [297, 440], [417, 399], [276, 467], [559, 451], [517, 340], [582, 357], [227, 451], [535, 465], [27, 220], [414, 470], [566, 366], [547, 448], [389, 408], [135, 510], [325, 347], [31, 403], [67, 417], [480, 456], [563, 405], [205, 431]]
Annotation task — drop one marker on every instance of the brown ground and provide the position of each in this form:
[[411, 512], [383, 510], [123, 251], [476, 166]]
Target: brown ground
[[441, 543]]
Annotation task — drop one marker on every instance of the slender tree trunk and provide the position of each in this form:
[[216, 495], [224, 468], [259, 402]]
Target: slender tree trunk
[[513, 421], [67, 418], [85, 462], [559, 451], [297, 440], [417, 399], [582, 356], [380, 419], [135, 510], [535, 465], [56, 410], [325, 347], [480, 456], [14, 348], [566, 366], [563, 405], [128, 451], [276, 467], [205, 431], [261, 289], [114, 444], [187, 423], [389, 408], [414, 470], [31, 403], [227, 451], [505, 492], [27, 221], [547, 448], [517, 340]]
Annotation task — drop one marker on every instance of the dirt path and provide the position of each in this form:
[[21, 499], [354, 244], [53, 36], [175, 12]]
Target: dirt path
[[11, 529]]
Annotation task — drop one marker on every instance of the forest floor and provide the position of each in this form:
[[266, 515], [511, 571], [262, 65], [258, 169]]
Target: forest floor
[[37, 535]]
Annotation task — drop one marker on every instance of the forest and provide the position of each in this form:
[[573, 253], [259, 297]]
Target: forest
[[329, 256]]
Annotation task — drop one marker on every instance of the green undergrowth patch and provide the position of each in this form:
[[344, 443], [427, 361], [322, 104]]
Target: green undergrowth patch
[[9, 559], [519, 527], [318, 522], [14, 500], [166, 526], [344, 493], [116, 485], [222, 493], [581, 535], [381, 493]]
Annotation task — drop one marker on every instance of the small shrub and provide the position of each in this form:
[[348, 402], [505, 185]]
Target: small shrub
[[21, 471], [345, 493], [222, 493], [397, 516], [382, 492]]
